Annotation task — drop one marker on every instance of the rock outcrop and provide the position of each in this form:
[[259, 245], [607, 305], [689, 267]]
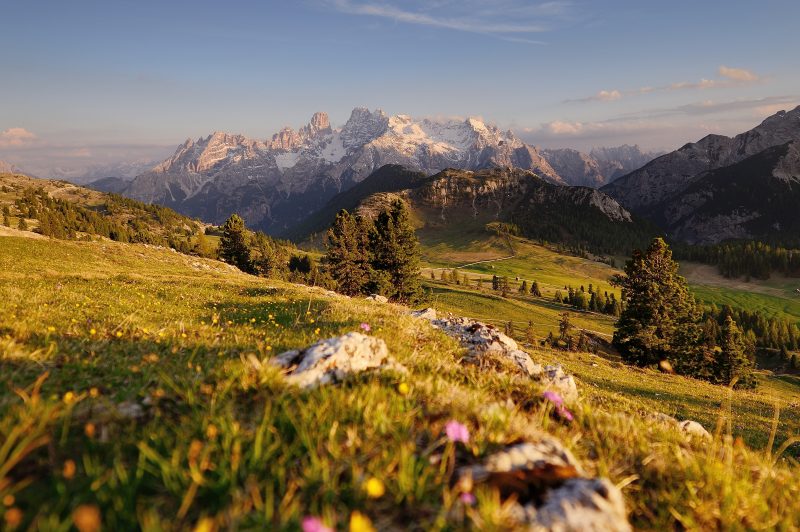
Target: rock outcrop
[[481, 339], [334, 359]]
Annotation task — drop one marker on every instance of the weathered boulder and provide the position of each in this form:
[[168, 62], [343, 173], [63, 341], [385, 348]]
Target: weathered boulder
[[333, 359], [377, 298], [580, 505], [550, 490]]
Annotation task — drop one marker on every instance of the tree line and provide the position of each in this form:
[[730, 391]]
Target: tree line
[[744, 259], [363, 256], [662, 325]]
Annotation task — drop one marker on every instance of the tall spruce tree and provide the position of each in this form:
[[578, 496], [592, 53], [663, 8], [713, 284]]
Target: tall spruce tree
[[347, 257], [660, 319], [395, 254], [233, 245]]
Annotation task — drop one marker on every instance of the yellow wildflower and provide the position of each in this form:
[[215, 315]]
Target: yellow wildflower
[[94, 392], [86, 518], [206, 524], [69, 469], [92, 332], [375, 488], [13, 518], [89, 429], [403, 388], [212, 432], [69, 398], [119, 334], [360, 523]]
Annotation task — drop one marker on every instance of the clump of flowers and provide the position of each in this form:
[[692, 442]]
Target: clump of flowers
[[456, 432], [366, 327], [558, 404]]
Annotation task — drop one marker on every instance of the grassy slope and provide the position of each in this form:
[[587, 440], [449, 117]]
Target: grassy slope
[[243, 450], [774, 297], [610, 380]]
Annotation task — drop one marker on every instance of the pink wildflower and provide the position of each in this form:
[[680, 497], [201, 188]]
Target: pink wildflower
[[558, 403], [315, 524], [365, 327], [467, 498], [456, 432]]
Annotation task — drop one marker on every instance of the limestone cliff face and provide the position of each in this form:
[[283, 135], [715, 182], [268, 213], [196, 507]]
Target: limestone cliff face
[[504, 192]]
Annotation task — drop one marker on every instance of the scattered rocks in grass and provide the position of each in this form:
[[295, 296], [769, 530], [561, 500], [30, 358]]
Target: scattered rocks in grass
[[377, 298], [690, 428], [480, 339], [550, 490], [333, 359]]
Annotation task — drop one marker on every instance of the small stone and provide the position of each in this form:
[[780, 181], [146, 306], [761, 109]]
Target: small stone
[[554, 378], [377, 298], [425, 314], [693, 429]]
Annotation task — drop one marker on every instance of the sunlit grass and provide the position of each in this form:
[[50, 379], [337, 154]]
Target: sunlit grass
[[89, 329]]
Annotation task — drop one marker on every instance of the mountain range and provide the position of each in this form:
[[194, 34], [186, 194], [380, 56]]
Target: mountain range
[[720, 188], [278, 182]]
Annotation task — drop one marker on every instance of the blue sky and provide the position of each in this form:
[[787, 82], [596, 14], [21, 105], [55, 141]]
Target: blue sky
[[86, 82]]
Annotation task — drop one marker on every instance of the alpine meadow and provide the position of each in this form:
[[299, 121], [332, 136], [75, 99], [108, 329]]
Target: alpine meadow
[[538, 269]]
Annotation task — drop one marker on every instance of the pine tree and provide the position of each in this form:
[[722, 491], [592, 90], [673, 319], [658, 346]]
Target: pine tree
[[557, 297], [268, 258], [233, 246], [530, 335], [202, 246], [347, 257], [660, 319], [395, 254], [22, 225], [523, 288], [733, 361], [535, 290], [564, 326], [505, 288]]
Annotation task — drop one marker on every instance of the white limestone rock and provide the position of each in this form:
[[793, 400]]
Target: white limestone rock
[[333, 359]]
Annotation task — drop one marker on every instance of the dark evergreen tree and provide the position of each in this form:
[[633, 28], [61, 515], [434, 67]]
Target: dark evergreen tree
[[535, 290], [660, 319], [733, 361], [233, 246], [347, 257], [523, 288], [395, 255]]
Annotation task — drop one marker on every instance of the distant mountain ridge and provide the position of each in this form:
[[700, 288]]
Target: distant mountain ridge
[[670, 173], [721, 187], [598, 167]]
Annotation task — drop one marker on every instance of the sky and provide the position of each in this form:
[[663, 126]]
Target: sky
[[90, 83]]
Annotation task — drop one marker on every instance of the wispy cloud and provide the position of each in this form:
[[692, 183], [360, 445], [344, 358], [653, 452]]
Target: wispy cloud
[[510, 20], [16, 137], [733, 77], [737, 74]]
